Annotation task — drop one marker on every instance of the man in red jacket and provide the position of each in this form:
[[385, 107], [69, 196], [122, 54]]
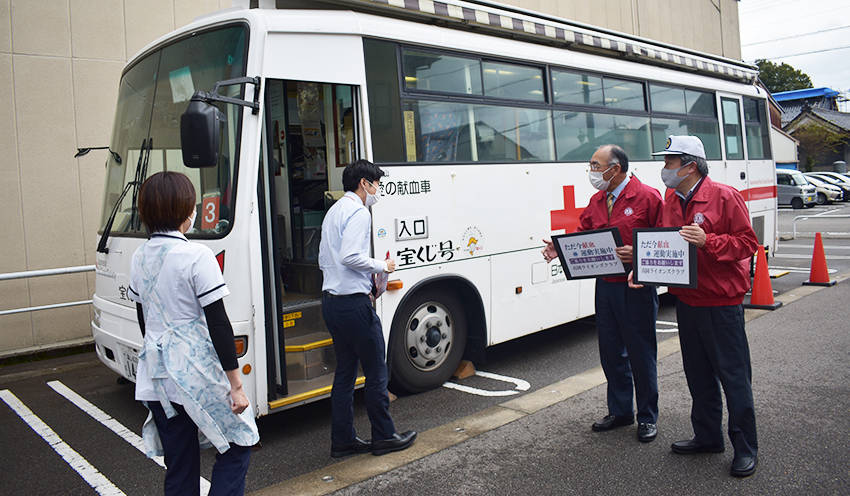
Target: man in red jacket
[[625, 318], [713, 217]]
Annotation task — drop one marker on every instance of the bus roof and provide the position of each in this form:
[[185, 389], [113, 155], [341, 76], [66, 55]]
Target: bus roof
[[501, 20]]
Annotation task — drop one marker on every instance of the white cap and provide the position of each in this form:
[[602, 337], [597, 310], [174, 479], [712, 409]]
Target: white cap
[[677, 145]]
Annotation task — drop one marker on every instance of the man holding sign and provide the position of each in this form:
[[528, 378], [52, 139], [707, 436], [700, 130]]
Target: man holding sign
[[625, 318], [714, 218]]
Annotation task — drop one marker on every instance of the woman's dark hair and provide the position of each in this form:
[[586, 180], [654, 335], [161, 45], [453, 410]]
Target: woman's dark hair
[[355, 171], [166, 200]]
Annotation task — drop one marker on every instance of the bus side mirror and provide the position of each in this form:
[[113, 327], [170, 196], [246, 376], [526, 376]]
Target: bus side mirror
[[200, 133], [200, 124]]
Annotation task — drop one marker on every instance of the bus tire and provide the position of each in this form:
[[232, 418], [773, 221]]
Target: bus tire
[[428, 340]]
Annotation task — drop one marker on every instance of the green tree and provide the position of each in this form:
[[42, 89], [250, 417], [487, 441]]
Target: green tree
[[819, 143], [782, 77]]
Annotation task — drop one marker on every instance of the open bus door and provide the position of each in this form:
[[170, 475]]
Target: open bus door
[[310, 136]]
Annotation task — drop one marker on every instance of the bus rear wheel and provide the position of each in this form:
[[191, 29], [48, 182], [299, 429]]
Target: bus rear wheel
[[429, 337]]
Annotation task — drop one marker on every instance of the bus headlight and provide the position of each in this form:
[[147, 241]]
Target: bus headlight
[[96, 319]]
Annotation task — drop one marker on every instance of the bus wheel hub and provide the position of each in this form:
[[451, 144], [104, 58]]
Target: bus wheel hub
[[429, 336], [432, 338]]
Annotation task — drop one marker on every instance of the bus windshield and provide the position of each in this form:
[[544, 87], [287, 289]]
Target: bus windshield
[[153, 94]]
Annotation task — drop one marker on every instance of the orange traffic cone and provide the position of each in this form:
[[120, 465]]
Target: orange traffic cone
[[819, 274], [762, 295]]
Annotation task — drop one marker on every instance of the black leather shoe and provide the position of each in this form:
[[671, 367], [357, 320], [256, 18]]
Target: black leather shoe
[[352, 448], [395, 443], [691, 447], [612, 422], [744, 466], [647, 432]]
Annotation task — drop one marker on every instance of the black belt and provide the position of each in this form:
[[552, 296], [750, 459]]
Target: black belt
[[355, 295]]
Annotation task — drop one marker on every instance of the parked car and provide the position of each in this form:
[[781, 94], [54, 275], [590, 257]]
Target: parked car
[[834, 179], [793, 189], [827, 193]]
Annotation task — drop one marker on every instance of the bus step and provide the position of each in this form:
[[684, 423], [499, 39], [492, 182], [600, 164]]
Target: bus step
[[303, 318], [309, 356]]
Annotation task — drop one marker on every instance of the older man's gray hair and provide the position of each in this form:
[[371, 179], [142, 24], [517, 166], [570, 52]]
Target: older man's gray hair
[[702, 165]]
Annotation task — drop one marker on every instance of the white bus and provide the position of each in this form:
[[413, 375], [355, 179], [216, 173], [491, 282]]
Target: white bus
[[483, 120]]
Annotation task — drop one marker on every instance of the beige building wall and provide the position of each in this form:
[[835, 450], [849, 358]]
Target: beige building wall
[[60, 63], [706, 25]]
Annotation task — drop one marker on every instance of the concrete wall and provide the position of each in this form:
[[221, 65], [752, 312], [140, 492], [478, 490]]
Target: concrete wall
[[60, 62], [705, 25]]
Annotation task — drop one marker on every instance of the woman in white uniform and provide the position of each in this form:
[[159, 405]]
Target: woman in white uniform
[[188, 374]]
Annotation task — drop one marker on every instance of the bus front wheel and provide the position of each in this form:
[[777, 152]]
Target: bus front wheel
[[429, 337]]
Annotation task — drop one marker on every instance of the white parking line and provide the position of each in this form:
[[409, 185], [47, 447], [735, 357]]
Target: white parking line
[[800, 270], [808, 256], [95, 479], [521, 385], [110, 423], [101, 416], [811, 246], [664, 322]]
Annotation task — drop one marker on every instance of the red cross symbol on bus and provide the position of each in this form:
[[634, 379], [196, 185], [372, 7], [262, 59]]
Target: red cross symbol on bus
[[567, 218]]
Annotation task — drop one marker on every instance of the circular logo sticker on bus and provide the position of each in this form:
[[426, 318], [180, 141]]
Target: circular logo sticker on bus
[[472, 241], [382, 233]]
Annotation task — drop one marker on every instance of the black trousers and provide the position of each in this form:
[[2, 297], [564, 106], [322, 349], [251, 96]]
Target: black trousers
[[715, 352], [358, 338], [179, 436], [628, 350]]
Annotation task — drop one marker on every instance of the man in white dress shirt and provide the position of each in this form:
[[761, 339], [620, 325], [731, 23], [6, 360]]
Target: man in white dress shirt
[[347, 309]]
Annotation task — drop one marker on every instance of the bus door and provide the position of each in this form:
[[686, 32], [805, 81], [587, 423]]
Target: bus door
[[737, 166], [761, 171], [311, 136], [733, 142]]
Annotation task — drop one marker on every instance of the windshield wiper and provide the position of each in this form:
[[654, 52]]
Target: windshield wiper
[[141, 174], [141, 169]]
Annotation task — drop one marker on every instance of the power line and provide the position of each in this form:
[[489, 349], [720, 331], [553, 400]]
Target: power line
[[764, 6], [808, 53], [795, 36], [774, 23]]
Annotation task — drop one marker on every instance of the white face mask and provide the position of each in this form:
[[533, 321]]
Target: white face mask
[[370, 198], [597, 181], [192, 220]]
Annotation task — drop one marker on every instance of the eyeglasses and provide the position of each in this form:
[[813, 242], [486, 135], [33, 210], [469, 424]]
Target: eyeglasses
[[596, 166]]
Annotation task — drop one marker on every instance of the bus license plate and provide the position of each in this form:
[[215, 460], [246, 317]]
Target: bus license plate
[[131, 361]]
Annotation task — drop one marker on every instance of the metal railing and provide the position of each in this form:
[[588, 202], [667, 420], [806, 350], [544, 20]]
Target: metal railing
[[821, 215], [41, 273]]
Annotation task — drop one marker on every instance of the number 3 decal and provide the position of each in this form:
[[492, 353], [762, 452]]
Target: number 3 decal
[[211, 213], [210, 206]]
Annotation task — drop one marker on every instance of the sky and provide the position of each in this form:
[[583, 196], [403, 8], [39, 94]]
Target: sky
[[810, 35]]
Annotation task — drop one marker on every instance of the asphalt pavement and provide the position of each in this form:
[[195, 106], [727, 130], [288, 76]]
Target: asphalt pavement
[[536, 441], [542, 443]]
